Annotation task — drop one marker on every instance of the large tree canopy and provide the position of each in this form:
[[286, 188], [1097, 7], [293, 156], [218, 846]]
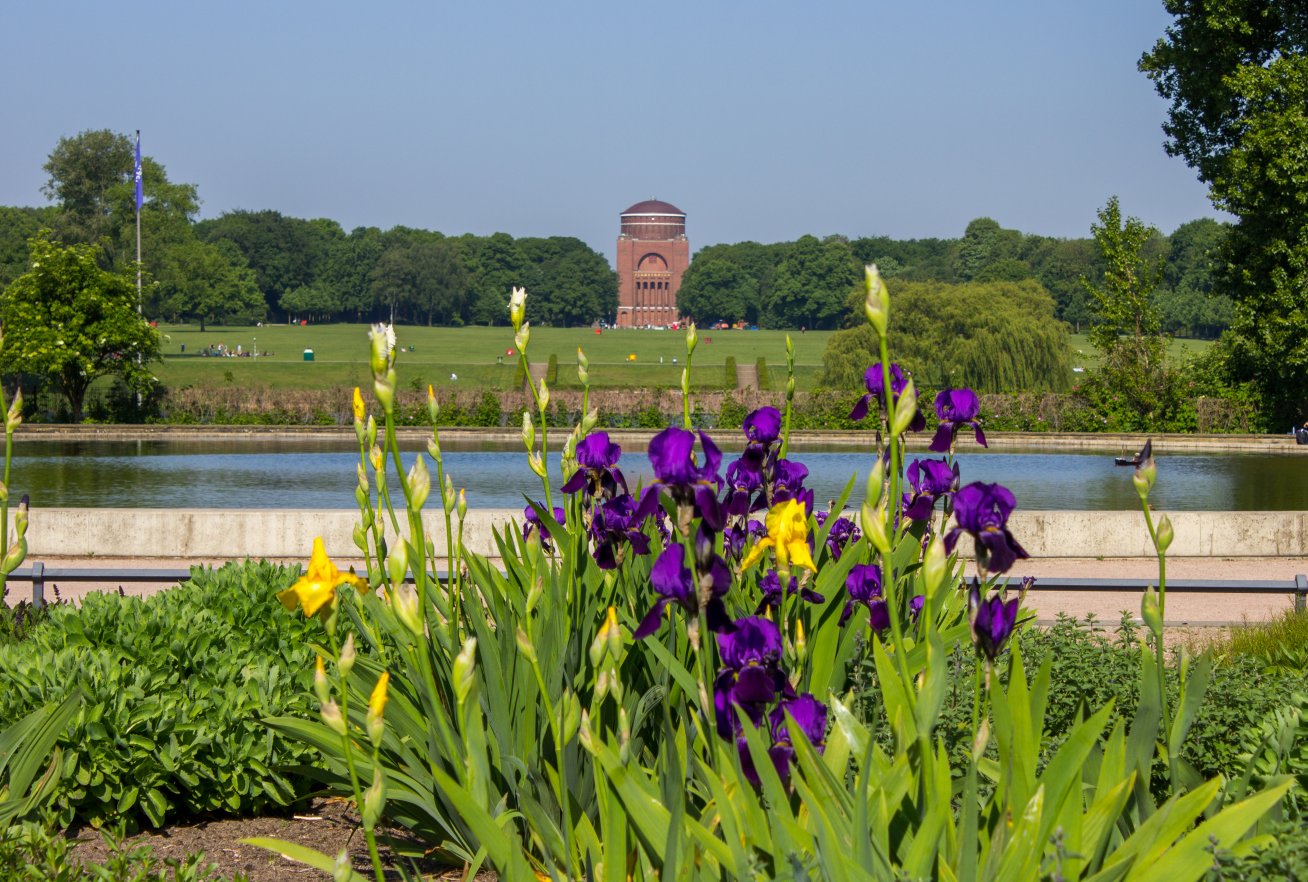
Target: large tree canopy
[[1236, 72], [989, 336], [72, 321]]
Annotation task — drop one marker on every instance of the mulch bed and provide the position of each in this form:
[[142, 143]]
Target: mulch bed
[[327, 825]]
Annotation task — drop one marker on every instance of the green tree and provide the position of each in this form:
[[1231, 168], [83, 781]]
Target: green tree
[[1127, 327], [206, 283], [571, 284], [495, 266], [991, 337], [1193, 305], [69, 319], [811, 285], [423, 280], [1236, 74], [17, 227], [716, 289]]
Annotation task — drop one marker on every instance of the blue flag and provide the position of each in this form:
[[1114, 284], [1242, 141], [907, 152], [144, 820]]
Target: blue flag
[[140, 199]]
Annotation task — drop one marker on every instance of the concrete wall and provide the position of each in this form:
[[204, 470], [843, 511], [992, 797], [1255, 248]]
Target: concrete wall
[[206, 534]]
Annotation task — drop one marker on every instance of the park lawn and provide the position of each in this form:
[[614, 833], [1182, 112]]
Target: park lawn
[[478, 356], [1085, 355]]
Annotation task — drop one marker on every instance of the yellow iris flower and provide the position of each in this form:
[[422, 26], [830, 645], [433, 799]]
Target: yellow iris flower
[[377, 701], [787, 524], [317, 587], [360, 412]]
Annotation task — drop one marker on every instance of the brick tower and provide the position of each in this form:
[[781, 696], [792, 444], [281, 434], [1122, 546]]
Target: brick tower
[[653, 252]]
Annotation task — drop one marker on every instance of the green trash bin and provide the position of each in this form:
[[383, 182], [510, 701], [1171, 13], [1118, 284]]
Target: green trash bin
[[308, 355]]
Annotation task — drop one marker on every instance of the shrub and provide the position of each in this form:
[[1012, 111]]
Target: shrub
[[729, 372], [761, 368], [176, 686], [552, 371]]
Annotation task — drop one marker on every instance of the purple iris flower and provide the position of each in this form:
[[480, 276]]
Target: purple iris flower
[[982, 510], [929, 480], [875, 385], [788, 483], [750, 677], [674, 583], [737, 536], [993, 620], [809, 715], [843, 531], [915, 605], [864, 586], [743, 481], [763, 426], [532, 523], [598, 458], [617, 523], [770, 585], [956, 408], [672, 454]]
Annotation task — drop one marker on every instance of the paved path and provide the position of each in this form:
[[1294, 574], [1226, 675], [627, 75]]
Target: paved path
[[1194, 609]]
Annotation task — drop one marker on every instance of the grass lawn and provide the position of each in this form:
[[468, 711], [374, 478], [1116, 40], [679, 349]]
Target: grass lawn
[[1086, 356], [478, 356]]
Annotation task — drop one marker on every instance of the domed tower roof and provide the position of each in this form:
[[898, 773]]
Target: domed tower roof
[[654, 220]]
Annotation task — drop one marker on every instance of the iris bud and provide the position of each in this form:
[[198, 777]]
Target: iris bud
[[4, 492], [537, 585], [523, 337], [905, 409], [331, 715], [876, 305], [517, 308], [873, 521], [360, 412], [571, 716], [544, 394], [790, 348], [320, 687], [360, 538], [685, 379], [385, 392], [790, 388], [375, 458], [601, 686], [462, 506], [341, 869], [374, 800], [382, 340], [397, 562], [362, 474], [934, 566], [464, 670], [1153, 617], [346, 662], [608, 641], [15, 416], [536, 464], [419, 483], [528, 431], [583, 367], [801, 642], [375, 720], [433, 406], [447, 495], [1165, 533], [370, 432], [434, 448], [692, 339], [624, 735], [525, 646], [590, 420], [405, 603], [584, 734]]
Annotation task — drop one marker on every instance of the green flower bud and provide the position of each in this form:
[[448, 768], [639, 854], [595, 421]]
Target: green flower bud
[[360, 537], [1153, 617], [374, 800], [4, 492], [370, 432], [404, 600], [790, 349], [397, 562], [934, 566], [905, 409], [523, 337], [525, 645], [876, 305], [692, 339], [544, 395], [462, 506], [341, 869], [1165, 533], [433, 406], [571, 716], [873, 521], [331, 715], [517, 308], [384, 388], [362, 475], [346, 662], [447, 495], [320, 685], [528, 431], [14, 418], [434, 447], [419, 483], [464, 670], [382, 340], [536, 463], [590, 420]]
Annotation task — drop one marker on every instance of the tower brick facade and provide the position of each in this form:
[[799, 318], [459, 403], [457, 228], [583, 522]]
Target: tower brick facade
[[653, 253]]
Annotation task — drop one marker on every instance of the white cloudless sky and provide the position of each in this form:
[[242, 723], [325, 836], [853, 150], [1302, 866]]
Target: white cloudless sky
[[761, 120]]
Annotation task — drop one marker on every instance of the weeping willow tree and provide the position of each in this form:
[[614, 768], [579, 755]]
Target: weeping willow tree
[[989, 336]]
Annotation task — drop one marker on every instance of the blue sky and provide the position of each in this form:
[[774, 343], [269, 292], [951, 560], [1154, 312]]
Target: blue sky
[[761, 120]]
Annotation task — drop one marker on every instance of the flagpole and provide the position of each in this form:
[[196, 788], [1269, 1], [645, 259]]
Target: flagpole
[[139, 311]]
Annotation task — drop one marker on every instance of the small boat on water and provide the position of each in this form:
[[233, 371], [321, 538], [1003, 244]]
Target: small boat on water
[[1130, 460]]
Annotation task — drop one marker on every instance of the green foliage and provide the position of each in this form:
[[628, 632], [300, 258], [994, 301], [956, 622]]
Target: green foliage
[[991, 337], [716, 289], [761, 368], [1236, 74], [70, 320], [729, 372], [811, 284], [552, 371], [174, 687], [207, 283]]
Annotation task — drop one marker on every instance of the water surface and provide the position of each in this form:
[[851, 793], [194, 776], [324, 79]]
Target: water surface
[[251, 473]]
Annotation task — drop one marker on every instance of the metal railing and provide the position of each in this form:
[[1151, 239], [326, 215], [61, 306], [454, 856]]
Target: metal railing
[[39, 575]]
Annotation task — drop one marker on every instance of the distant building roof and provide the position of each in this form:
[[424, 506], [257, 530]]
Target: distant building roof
[[654, 206]]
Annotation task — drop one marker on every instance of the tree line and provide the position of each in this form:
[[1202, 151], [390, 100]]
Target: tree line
[[246, 266], [806, 283]]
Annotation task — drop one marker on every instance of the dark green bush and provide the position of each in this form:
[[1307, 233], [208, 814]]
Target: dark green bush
[[176, 687], [552, 371], [730, 372], [761, 367]]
